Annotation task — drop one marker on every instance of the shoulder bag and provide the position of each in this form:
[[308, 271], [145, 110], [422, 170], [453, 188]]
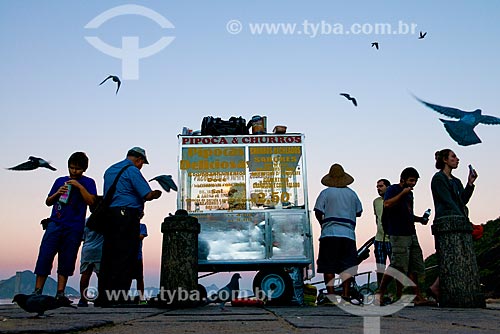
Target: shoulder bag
[[100, 214]]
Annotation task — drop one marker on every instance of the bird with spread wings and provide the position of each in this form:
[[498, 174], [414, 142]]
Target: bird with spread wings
[[33, 163], [115, 79], [462, 131], [165, 182]]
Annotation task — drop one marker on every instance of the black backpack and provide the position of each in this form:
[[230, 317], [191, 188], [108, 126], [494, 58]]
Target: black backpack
[[211, 126]]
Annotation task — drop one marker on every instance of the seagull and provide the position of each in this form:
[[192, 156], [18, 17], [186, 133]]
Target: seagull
[[32, 163], [350, 98], [462, 131], [165, 182], [38, 303], [115, 79], [227, 293], [375, 44], [422, 35]]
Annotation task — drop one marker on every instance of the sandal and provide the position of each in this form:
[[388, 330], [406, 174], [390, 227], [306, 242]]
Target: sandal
[[430, 293], [425, 302], [353, 300]]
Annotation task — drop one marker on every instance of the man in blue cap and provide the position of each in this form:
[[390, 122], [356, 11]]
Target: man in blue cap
[[121, 239]]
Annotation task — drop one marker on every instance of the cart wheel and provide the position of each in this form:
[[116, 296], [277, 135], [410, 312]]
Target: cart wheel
[[276, 286], [367, 295]]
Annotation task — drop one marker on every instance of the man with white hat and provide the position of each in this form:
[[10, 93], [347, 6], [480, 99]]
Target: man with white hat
[[336, 210], [121, 240]]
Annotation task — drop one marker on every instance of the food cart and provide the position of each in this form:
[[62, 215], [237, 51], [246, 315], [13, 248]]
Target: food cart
[[249, 194]]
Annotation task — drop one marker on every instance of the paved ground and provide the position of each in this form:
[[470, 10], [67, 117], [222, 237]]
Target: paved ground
[[239, 320]]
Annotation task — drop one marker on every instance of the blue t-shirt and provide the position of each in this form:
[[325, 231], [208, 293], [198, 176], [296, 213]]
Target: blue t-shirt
[[72, 212], [131, 188], [400, 218]]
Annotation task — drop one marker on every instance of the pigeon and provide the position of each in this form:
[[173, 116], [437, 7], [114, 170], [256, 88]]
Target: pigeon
[[165, 182], [462, 131], [38, 303], [375, 44], [422, 35], [227, 293], [32, 163], [115, 79], [350, 98]]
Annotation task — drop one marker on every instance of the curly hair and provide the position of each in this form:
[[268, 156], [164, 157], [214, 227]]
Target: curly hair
[[409, 172]]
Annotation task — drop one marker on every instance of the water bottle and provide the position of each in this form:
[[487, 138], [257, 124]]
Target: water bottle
[[425, 216], [64, 197]]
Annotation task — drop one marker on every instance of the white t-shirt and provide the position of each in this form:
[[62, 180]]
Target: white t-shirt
[[339, 207]]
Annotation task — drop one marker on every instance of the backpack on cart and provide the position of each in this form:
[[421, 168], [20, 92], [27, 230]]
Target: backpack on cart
[[211, 126]]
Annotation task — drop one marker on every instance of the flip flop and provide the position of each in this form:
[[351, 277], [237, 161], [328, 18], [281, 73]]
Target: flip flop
[[353, 300], [431, 294], [425, 302]]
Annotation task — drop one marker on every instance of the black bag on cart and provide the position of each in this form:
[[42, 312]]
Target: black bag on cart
[[211, 126]]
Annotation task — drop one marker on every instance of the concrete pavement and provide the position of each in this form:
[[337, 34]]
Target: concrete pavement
[[276, 320]]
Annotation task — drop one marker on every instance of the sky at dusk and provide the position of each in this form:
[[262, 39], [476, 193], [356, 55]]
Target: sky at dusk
[[223, 62]]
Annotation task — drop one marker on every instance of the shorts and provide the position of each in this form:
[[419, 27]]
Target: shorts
[[407, 255], [138, 271], [337, 254], [63, 240], [96, 266], [382, 250]]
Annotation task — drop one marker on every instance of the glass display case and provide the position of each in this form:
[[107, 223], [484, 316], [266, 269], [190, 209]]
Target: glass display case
[[249, 194]]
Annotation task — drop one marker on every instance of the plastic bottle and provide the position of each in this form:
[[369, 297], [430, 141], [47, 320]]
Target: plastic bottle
[[425, 216], [64, 197]]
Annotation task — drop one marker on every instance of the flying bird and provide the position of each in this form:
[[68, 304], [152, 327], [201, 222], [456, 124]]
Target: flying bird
[[422, 35], [32, 163], [115, 79], [38, 303], [350, 98], [165, 182], [375, 44], [227, 293], [462, 131]]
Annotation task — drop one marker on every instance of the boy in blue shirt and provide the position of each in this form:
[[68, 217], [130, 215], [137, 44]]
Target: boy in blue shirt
[[64, 232]]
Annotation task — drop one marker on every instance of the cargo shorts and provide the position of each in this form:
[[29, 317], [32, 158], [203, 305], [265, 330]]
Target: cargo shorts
[[407, 255]]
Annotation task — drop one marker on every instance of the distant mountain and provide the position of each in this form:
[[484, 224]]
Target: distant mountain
[[212, 288], [27, 285], [487, 251]]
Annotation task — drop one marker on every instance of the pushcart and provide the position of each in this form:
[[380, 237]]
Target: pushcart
[[249, 194]]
